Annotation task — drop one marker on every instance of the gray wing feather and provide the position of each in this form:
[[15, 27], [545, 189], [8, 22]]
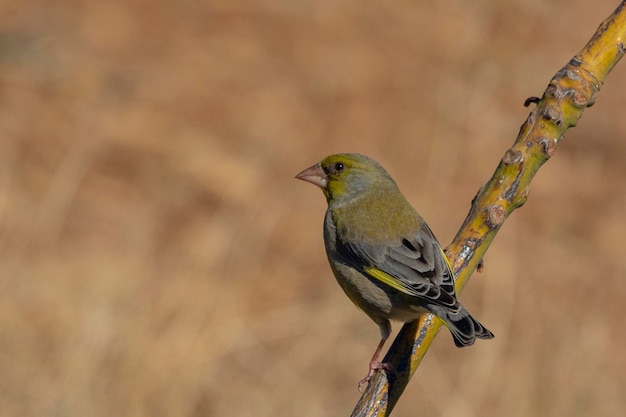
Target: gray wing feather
[[417, 262]]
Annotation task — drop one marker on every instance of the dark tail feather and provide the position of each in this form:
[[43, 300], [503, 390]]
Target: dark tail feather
[[465, 328]]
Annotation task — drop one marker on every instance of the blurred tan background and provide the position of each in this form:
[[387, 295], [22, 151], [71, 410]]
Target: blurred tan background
[[157, 258]]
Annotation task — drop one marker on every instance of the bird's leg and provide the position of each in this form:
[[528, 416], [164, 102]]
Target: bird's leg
[[375, 364]]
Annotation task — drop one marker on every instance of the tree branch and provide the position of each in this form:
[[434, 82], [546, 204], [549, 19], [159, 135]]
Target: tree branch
[[569, 93]]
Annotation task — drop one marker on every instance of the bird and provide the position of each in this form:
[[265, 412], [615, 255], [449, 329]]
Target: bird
[[383, 254]]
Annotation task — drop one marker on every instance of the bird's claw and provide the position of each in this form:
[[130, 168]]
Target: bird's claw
[[374, 366]]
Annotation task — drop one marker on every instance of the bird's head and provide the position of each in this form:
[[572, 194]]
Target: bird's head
[[346, 175]]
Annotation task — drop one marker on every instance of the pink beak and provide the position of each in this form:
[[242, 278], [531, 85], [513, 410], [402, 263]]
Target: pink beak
[[315, 175]]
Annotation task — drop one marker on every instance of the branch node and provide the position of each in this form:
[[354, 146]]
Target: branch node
[[548, 145], [495, 216], [581, 100], [512, 157], [572, 74], [552, 112]]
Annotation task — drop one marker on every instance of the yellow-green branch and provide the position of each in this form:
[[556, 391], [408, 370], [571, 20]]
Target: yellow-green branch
[[569, 93]]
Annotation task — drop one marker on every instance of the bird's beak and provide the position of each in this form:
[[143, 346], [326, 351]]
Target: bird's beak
[[315, 175]]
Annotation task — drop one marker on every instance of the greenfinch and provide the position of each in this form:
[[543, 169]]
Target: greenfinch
[[383, 254]]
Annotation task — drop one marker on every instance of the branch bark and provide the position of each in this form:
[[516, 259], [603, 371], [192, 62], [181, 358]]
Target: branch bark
[[569, 93]]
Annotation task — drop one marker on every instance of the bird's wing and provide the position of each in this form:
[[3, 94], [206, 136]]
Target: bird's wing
[[415, 266]]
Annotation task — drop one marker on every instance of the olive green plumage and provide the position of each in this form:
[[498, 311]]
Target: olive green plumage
[[381, 251]]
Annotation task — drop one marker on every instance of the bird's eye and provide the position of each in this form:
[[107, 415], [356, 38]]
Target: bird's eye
[[339, 166]]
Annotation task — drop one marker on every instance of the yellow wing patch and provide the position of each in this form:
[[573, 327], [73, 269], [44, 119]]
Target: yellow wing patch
[[446, 260], [388, 279]]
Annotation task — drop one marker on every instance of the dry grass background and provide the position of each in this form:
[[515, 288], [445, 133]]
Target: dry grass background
[[157, 258]]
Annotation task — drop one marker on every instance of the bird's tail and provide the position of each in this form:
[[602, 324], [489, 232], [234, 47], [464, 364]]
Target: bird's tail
[[464, 328]]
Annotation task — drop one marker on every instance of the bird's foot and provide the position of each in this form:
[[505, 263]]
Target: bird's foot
[[374, 366]]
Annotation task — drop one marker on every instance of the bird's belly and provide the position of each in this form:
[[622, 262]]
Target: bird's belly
[[376, 300]]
